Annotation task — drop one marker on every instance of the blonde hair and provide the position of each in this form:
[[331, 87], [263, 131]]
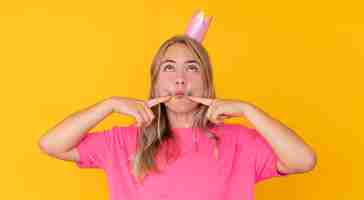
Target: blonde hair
[[152, 138]]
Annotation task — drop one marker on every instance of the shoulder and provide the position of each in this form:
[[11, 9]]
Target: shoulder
[[237, 129], [122, 137], [240, 132], [123, 133]]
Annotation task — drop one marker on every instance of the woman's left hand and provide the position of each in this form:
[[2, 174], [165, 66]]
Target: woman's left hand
[[220, 109]]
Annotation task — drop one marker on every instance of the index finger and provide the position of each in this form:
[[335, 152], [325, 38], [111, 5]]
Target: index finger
[[157, 100], [202, 100]]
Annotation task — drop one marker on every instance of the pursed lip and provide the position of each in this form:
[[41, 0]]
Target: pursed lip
[[179, 93]]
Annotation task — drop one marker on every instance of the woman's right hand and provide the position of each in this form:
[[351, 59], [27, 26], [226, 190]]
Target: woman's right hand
[[139, 109]]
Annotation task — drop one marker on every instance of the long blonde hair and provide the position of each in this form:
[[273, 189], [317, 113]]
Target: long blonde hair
[[151, 138]]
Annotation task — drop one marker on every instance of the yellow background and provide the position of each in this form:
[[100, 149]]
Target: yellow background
[[300, 61]]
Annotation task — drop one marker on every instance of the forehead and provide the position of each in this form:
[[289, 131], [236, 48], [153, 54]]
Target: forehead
[[178, 51]]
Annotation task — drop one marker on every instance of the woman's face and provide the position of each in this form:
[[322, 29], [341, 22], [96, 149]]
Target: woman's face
[[179, 72]]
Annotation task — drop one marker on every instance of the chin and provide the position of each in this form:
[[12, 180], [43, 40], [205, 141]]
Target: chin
[[181, 107]]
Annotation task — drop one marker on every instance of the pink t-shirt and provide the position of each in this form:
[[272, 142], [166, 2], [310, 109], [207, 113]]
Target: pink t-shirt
[[245, 158]]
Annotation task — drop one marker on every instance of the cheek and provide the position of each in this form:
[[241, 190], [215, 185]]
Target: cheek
[[163, 84], [166, 78], [197, 82]]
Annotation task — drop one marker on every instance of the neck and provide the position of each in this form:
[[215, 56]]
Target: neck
[[180, 120]]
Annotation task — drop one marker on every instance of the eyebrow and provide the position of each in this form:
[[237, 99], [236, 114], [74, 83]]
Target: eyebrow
[[188, 61]]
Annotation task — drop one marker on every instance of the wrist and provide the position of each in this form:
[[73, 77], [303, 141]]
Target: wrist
[[244, 106], [108, 104]]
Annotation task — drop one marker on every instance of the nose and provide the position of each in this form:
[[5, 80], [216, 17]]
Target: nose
[[180, 81], [180, 78]]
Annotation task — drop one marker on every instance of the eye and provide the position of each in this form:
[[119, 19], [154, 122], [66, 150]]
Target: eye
[[167, 67], [193, 67]]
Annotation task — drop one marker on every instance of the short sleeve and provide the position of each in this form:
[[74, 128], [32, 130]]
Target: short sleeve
[[265, 159], [92, 149]]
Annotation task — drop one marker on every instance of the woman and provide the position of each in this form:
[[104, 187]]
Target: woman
[[180, 147]]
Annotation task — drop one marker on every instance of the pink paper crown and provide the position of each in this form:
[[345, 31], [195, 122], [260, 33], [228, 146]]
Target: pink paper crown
[[198, 26]]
